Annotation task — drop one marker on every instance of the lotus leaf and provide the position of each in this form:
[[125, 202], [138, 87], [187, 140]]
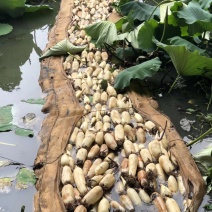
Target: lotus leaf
[[25, 177], [102, 32], [24, 132], [34, 101], [145, 34], [141, 11], [187, 63], [205, 4], [61, 48], [5, 29], [141, 71], [178, 41], [193, 13], [6, 118]]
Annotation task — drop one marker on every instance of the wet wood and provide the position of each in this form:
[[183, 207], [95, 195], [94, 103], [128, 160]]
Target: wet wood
[[63, 112], [192, 178]]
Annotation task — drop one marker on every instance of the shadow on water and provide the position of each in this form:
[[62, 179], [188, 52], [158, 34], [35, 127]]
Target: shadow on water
[[19, 72]]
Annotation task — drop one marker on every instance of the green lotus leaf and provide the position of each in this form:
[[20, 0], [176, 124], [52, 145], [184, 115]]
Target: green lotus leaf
[[24, 132], [193, 13], [132, 36], [61, 48], [102, 32], [141, 71], [205, 4], [25, 178], [126, 23], [6, 118], [145, 34], [141, 11], [173, 18], [5, 29], [187, 63], [178, 41], [34, 101]]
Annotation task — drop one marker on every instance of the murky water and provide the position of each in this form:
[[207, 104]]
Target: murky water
[[19, 73]]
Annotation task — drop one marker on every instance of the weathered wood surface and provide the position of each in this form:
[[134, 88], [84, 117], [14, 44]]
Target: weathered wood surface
[[192, 179], [63, 112]]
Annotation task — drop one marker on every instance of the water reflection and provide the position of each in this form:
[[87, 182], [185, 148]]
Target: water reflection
[[19, 73], [13, 56]]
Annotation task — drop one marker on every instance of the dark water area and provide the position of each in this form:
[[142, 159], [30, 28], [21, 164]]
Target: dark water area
[[19, 73]]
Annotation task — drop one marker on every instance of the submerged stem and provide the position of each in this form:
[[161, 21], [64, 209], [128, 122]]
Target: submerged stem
[[200, 137], [174, 83], [209, 103]]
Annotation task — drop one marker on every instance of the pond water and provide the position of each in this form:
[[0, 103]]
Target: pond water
[[19, 73]]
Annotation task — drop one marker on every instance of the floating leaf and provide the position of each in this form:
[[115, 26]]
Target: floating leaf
[[35, 101], [5, 29], [187, 63], [33, 8], [61, 48], [24, 132], [141, 11], [6, 118], [141, 71], [102, 32], [25, 178]]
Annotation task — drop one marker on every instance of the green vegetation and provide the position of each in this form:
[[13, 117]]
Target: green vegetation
[[172, 30], [14, 9], [61, 48], [6, 119], [22, 180]]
